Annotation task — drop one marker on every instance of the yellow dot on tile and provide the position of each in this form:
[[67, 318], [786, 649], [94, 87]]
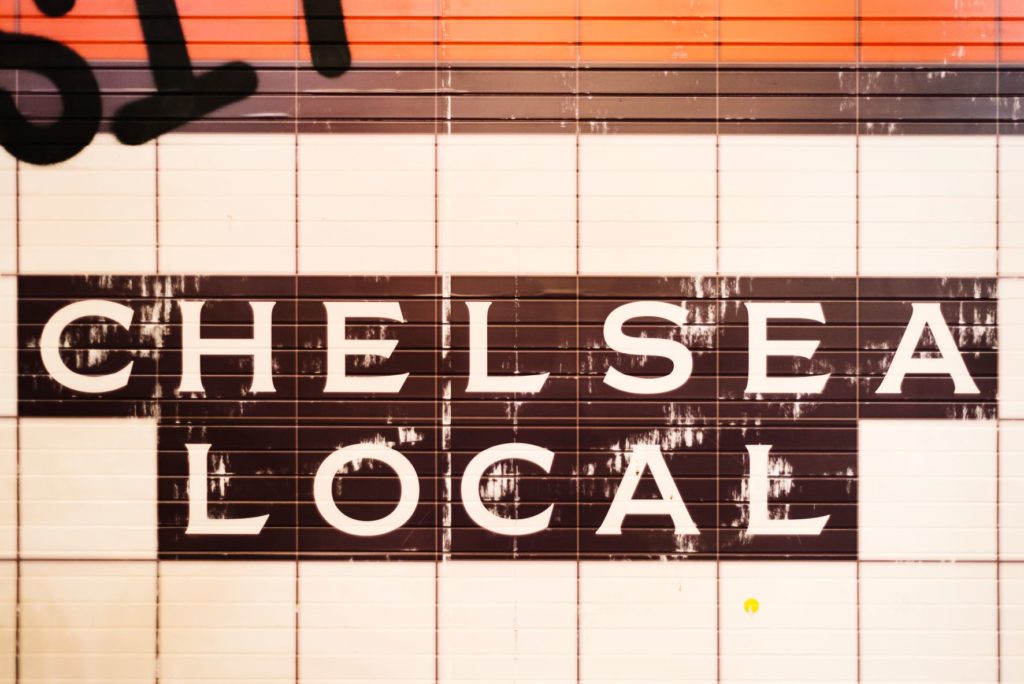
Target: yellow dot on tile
[[751, 605]]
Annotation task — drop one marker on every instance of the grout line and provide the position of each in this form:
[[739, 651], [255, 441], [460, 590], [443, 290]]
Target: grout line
[[437, 111], [17, 551], [17, 419], [156, 199], [719, 306], [857, 384], [576, 111], [767, 558], [998, 207], [156, 614], [438, 383], [156, 183], [296, 380], [999, 562]]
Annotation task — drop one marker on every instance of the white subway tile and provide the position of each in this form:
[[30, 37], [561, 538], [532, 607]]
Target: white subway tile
[[928, 205], [1011, 206], [1011, 622], [227, 204], [803, 627], [88, 622], [507, 621], [788, 205], [927, 489], [366, 204], [647, 204], [1011, 347], [928, 622], [8, 346], [88, 488], [507, 204], [8, 214], [366, 621], [8, 487], [227, 621], [647, 621], [95, 213], [1011, 490], [8, 620]]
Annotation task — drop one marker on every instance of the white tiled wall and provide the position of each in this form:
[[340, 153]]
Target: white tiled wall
[[227, 204], [510, 203], [95, 213], [1011, 206], [1011, 621], [928, 205], [210, 203], [640, 191], [1011, 490], [927, 489], [803, 630], [8, 488], [8, 620], [227, 622], [507, 203], [928, 622], [623, 604], [507, 622], [362, 622], [88, 488], [68, 632], [8, 214], [366, 204], [788, 205]]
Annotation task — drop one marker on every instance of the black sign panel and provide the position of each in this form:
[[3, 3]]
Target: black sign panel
[[525, 417]]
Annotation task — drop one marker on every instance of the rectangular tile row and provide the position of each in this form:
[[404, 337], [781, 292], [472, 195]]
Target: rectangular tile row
[[834, 100], [317, 622], [921, 490], [552, 325], [973, 323], [392, 204]]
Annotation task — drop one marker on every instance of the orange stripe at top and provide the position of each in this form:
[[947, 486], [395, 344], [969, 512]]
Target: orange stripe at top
[[789, 31], [948, 31], [6, 15], [549, 31], [1011, 31]]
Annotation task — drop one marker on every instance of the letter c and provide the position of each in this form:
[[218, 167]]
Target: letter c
[[49, 346], [531, 453]]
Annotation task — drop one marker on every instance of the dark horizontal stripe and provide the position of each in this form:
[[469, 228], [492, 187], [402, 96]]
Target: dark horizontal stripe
[[839, 100]]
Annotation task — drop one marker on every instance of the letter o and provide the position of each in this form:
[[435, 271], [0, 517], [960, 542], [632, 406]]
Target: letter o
[[323, 494]]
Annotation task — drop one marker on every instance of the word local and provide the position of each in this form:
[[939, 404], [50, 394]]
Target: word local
[[925, 317]]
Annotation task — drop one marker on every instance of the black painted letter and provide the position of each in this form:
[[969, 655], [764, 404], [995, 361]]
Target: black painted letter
[[181, 95]]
